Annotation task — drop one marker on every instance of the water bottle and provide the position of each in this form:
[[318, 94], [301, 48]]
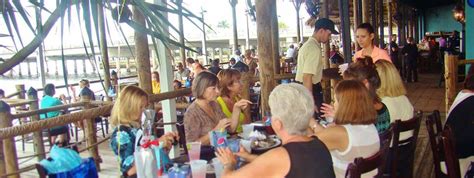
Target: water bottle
[[184, 172], [174, 171]]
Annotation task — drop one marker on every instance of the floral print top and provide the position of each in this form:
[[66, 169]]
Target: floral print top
[[123, 138]]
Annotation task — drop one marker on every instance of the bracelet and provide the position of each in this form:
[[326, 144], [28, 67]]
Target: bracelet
[[228, 166]]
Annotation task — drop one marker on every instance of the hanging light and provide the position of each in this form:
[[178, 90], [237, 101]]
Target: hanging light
[[458, 14]]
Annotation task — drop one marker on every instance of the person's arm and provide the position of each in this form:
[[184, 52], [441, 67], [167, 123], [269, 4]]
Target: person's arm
[[308, 82], [237, 109], [274, 163], [334, 137]]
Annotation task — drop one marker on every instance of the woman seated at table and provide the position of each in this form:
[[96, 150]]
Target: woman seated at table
[[125, 118], [230, 88], [300, 156], [353, 133], [364, 71], [204, 114], [49, 101]]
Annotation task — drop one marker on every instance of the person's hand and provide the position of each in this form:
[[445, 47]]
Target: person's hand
[[223, 123], [242, 104], [242, 152], [168, 139], [327, 110], [343, 67], [226, 157]]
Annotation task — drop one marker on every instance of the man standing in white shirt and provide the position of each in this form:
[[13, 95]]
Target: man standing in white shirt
[[310, 60], [290, 54]]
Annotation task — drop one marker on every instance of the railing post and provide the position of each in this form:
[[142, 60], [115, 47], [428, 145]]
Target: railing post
[[21, 89], [37, 136], [451, 78], [91, 134], [9, 146]]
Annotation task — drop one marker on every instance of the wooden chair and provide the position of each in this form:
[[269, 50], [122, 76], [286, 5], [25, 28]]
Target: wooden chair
[[433, 125], [386, 135], [408, 144], [364, 165], [452, 163]]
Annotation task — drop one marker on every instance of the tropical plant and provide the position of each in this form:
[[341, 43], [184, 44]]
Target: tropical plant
[[87, 11], [223, 24]]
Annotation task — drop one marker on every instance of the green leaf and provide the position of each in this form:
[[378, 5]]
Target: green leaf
[[95, 17], [14, 23], [23, 14], [9, 27], [40, 5]]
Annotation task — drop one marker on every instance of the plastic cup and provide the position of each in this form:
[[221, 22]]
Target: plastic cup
[[194, 150], [246, 144], [247, 129], [218, 167], [198, 168]]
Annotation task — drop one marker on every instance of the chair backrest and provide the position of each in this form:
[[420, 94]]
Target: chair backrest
[[182, 136], [433, 126], [364, 165], [399, 126], [452, 162], [386, 135]]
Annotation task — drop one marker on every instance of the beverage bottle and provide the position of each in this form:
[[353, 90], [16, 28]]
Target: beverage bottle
[[184, 172], [268, 123], [174, 171]]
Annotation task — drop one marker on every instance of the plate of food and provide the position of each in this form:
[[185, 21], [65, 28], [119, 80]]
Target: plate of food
[[262, 145]]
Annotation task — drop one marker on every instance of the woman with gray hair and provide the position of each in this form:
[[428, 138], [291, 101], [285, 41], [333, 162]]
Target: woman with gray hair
[[300, 156]]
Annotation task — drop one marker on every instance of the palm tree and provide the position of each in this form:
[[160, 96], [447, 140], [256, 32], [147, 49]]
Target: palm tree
[[223, 24], [88, 16]]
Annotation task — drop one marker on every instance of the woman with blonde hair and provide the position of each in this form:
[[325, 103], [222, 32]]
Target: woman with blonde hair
[[353, 134], [393, 92], [230, 88], [125, 119]]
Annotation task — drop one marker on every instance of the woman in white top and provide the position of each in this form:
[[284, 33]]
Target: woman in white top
[[354, 134], [393, 93]]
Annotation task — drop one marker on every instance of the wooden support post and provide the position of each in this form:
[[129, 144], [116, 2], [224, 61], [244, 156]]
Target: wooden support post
[[75, 66], [389, 25], [365, 11], [345, 29], [246, 77], [450, 78], [37, 136], [9, 146], [326, 83], [381, 24], [357, 19], [143, 53], [84, 68], [91, 134], [3, 169], [265, 14]]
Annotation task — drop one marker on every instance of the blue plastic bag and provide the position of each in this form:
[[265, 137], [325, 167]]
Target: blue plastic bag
[[62, 160], [85, 169]]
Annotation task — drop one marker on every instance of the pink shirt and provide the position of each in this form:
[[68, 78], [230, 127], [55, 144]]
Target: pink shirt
[[376, 55]]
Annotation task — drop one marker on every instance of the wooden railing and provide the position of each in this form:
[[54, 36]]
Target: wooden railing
[[8, 156], [451, 63]]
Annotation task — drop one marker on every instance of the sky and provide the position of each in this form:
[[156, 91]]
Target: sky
[[216, 11]]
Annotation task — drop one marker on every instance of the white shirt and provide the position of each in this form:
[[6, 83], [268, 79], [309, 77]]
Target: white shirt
[[399, 108], [290, 53]]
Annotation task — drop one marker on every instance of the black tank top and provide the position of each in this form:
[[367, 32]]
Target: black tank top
[[309, 159]]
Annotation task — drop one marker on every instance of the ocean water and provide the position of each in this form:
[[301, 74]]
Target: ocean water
[[12, 77]]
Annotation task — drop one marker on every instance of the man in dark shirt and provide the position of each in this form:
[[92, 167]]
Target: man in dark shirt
[[215, 69], [394, 53], [410, 51]]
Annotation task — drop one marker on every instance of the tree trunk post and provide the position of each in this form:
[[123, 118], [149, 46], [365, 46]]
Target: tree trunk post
[[9, 146], [143, 53], [21, 89], [326, 83], [246, 77], [235, 38], [37, 136], [91, 134], [450, 78], [266, 12], [365, 11]]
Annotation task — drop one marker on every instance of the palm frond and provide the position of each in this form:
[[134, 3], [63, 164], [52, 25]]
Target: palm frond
[[23, 14]]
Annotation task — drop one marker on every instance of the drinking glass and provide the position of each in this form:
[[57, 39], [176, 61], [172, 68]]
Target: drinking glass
[[194, 150], [198, 168]]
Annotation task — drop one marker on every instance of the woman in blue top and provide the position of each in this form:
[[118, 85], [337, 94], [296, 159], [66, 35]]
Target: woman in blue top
[[126, 115], [49, 101]]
